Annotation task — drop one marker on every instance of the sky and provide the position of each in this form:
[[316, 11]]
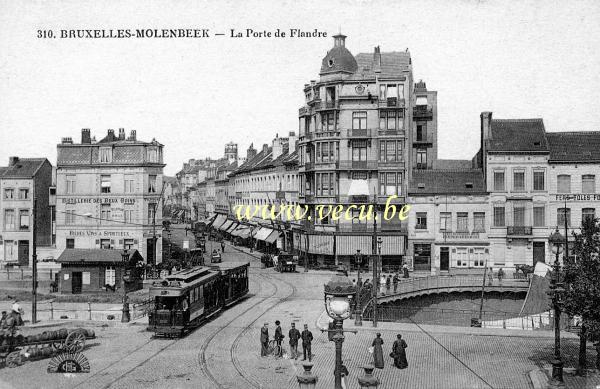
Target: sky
[[525, 59]]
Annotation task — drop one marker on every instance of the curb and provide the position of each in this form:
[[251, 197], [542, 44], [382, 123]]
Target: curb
[[82, 323]]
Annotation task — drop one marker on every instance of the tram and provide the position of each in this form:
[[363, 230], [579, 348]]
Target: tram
[[185, 299]]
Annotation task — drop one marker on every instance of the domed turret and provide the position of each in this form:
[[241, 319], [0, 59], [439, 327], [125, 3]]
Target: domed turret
[[339, 59]]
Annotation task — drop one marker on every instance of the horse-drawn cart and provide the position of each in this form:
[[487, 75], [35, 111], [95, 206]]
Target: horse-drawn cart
[[16, 348]]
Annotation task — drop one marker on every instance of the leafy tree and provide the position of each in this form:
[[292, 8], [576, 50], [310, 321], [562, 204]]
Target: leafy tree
[[582, 284]]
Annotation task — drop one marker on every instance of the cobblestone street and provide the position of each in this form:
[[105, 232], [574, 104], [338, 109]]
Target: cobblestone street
[[225, 352]]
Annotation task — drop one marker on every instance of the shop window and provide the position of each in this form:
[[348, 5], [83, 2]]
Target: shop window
[[462, 257], [109, 276]]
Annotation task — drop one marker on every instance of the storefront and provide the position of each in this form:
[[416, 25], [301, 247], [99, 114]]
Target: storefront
[[422, 256]]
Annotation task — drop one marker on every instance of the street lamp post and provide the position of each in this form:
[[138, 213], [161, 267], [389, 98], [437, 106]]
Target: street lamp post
[[125, 316], [358, 303], [339, 293], [556, 240], [376, 276]]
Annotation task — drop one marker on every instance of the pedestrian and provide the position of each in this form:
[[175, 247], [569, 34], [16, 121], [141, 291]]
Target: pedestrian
[[294, 335], [359, 283], [354, 282], [490, 276], [500, 275], [395, 282], [399, 353], [382, 283], [278, 337], [17, 313], [223, 246], [344, 373], [388, 283], [3, 320], [405, 271], [307, 338], [378, 352], [264, 340]]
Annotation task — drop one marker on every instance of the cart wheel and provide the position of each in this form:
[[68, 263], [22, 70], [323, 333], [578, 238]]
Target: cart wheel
[[13, 359], [75, 341]]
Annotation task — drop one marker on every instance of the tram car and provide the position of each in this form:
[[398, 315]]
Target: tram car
[[185, 299]]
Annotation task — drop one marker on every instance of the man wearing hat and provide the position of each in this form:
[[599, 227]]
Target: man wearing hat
[[307, 338], [264, 340], [294, 335], [278, 338]]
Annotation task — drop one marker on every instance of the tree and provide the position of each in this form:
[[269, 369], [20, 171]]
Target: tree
[[582, 284]]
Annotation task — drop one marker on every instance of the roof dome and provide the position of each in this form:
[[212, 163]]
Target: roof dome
[[339, 59]]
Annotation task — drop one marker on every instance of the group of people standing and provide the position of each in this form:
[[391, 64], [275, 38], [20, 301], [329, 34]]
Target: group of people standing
[[398, 352], [294, 336]]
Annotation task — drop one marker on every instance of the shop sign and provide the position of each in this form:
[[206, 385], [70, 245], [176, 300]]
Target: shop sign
[[98, 200], [577, 197], [98, 233]]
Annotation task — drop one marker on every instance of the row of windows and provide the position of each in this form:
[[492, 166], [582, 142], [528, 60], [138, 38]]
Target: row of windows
[[462, 221], [16, 220], [385, 91], [588, 182], [106, 154], [389, 119], [128, 244], [326, 183], [106, 215], [16, 194], [106, 184], [539, 216]]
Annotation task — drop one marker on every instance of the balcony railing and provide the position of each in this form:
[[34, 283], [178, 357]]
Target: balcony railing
[[392, 102], [359, 133], [519, 230], [303, 111], [358, 165], [327, 105], [422, 112]]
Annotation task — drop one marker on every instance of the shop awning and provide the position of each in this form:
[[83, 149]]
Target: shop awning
[[320, 244], [392, 245], [243, 233], [226, 225], [272, 237], [263, 233], [232, 227], [349, 244], [219, 221]]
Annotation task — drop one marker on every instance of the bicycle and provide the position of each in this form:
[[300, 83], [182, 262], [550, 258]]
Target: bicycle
[[274, 348]]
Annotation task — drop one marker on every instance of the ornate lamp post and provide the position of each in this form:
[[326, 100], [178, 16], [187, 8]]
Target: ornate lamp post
[[556, 241], [339, 293], [358, 303], [376, 277], [125, 259]]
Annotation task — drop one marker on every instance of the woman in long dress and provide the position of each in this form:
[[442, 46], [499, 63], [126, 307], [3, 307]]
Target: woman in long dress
[[399, 353], [378, 351]]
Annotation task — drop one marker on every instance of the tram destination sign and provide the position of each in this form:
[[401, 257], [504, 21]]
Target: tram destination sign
[[577, 197]]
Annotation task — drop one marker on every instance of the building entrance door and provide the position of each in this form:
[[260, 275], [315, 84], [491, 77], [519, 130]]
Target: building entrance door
[[539, 252], [444, 258], [76, 281], [24, 253]]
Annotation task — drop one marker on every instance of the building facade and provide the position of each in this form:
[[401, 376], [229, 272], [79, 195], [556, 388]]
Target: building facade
[[108, 194], [22, 181], [362, 129]]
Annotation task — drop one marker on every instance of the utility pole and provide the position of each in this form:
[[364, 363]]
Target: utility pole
[[34, 265], [162, 191], [482, 293], [375, 261], [566, 258]]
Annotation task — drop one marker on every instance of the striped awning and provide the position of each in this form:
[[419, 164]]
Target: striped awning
[[263, 234], [273, 237], [241, 231], [349, 244], [219, 221], [226, 225], [320, 244], [232, 227], [392, 245]]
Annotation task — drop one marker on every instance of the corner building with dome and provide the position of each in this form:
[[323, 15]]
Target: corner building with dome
[[363, 129]]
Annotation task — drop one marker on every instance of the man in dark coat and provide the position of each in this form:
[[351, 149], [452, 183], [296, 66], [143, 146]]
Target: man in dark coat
[[294, 335], [278, 337], [307, 338], [222, 246], [264, 340]]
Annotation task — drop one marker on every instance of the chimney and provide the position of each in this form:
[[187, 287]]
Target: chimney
[[486, 126], [251, 153], [111, 135], [67, 141], [85, 136], [12, 161], [132, 135], [292, 142], [265, 148], [121, 134], [377, 59], [277, 147]]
